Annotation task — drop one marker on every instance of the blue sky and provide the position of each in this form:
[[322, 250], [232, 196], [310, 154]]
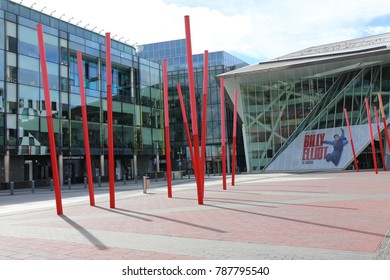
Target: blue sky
[[253, 30]]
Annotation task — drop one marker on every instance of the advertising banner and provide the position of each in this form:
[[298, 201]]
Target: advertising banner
[[323, 149]]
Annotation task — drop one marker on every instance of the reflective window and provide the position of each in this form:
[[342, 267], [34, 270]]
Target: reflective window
[[93, 109], [2, 107], [11, 37], [1, 63], [94, 135], [28, 70], [52, 70], [51, 47], [29, 102], [28, 41], [2, 32], [75, 107], [12, 70], [11, 106], [145, 75]]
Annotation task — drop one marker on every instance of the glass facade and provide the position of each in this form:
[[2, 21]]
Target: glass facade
[[219, 62], [137, 99], [286, 98], [273, 111]]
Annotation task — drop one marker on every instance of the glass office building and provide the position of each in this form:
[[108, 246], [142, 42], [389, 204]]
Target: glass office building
[[219, 62], [137, 100], [292, 107]]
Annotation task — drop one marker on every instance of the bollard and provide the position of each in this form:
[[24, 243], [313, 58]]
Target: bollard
[[33, 186], [69, 184], [173, 175], [99, 182], [85, 182], [165, 176], [155, 176], [146, 184], [11, 188], [51, 184], [189, 176], [124, 179]]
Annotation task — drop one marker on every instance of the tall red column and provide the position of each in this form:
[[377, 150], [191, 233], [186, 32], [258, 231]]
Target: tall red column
[[351, 140], [85, 130], [49, 119], [167, 134], [234, 136], [223, 138], [204, 116], [184, 114], [111, 163], [371, 136], [194, 118], [380, 138], [384, 120]]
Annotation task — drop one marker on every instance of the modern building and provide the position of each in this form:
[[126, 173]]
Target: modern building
[[219, 63], [137, 100], [292, 106]]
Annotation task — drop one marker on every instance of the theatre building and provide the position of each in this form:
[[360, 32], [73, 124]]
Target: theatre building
[[137, 100], [292, 107]]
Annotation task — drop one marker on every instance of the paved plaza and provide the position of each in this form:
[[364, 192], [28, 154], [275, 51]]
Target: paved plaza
[[335, 216]]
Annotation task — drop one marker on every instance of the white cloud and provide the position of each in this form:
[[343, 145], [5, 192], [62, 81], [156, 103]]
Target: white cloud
[[259, 29]]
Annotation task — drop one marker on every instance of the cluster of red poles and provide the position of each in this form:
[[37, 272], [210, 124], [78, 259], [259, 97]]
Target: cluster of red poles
[[371, 134], [49, 118], [198, 161]]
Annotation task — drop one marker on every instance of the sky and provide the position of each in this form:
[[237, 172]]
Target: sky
[[253, 30]]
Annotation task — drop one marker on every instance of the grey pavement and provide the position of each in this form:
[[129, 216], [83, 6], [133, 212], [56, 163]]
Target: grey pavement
[[265, 216]]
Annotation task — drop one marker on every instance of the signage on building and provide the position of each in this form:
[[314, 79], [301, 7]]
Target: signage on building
[[323, 149], [73, 157]]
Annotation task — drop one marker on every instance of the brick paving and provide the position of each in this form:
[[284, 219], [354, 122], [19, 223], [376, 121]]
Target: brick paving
[[332, 216]]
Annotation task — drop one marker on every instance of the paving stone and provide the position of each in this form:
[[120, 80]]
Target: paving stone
[[342, 215]]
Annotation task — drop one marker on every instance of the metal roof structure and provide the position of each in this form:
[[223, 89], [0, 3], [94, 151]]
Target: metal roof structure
[[324, 58]]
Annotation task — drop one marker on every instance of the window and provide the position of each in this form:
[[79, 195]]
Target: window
[[28, 70], [64, 56], [11, 37], [12, 74], [28, 42], [1, 37], [12, 45]]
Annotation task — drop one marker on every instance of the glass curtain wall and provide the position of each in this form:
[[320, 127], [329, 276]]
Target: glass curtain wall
[[137, 93], [275, 111]]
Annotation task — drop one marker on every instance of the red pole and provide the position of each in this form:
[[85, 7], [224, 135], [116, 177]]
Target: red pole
[[111, 163], [371, 136], [85, 130], [204, 115], [234, 135], [194, 118], [380, 138], [167, 136], [222, 91], [351, 139], [384, 120], [184, 114], [49, 119]]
